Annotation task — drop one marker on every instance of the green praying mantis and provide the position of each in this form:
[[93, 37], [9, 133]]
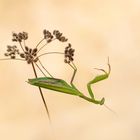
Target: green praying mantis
[[32, 57], [63, 87]]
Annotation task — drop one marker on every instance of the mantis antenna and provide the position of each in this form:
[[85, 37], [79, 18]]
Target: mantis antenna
[[110, 110]]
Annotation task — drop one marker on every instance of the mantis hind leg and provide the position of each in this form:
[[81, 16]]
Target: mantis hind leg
[[95, 80]]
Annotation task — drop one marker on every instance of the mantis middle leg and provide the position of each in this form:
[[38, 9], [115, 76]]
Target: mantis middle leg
[[73, 76]]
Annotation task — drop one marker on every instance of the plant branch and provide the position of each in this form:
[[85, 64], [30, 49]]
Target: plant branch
[[45, 68], [39, 42], [12, 59], [50, 53], [41, 93]]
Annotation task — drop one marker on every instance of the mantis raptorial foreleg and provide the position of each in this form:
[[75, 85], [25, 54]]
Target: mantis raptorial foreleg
[[97, 79]]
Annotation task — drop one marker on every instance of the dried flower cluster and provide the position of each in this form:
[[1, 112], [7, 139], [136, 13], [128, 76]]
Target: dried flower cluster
[[12, 51], [31, 55], [28, 54], [47, 35], [55, 35], [69, 54], [20, 36], [59, 36]]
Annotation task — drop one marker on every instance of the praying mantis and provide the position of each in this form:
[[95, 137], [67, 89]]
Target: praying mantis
[[63, 87], [32, 56]]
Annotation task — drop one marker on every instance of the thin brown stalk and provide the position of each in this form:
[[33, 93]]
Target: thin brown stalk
[[50, 53], [21, 46], [11, 59], [42, 47], [45, 45], [41, 70], [39, 42], [41, 93], [44, 68]]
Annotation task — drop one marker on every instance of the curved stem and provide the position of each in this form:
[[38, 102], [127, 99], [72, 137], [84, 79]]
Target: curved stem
[[11, 59], [42, 47], [24, 43], [45, 45], [45, 68], [21, 46], [50, 53], [41, 70], [39, 42]]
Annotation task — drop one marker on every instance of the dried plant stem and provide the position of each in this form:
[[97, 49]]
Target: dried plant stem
[[42, 95], [12, 59], [41, 70], [45, 45], [50, 53], [21, 46], [44, 68], [24, 43], [42, 47], [39, 42]]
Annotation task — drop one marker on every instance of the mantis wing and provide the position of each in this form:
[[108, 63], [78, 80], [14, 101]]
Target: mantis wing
[[53, 84]]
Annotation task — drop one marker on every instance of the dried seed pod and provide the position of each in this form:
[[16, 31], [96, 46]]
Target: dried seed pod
[[30, 50], [26, 57], [25, 35], [13, 57], [6, 54], [22, 55], [15, 40], [47, 34], [28, 61], [26, 48], [14, 34], [9, 49], [63, 39], [34, 50], [35, 60], [20, 37], [49, 40], [44, 31]]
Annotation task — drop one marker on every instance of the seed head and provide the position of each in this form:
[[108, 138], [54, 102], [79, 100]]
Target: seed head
[[12, 51], [47, 35], [20, 36], [59, 36], [29, 55], [69, 53]]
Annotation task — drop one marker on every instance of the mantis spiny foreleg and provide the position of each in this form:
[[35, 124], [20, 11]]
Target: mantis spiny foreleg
[[97, 79]]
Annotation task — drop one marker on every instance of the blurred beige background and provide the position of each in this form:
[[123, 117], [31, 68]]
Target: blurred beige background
[[97, 29]]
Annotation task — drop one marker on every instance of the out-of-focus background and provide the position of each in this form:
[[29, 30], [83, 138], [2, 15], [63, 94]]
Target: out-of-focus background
[[96, 29]]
